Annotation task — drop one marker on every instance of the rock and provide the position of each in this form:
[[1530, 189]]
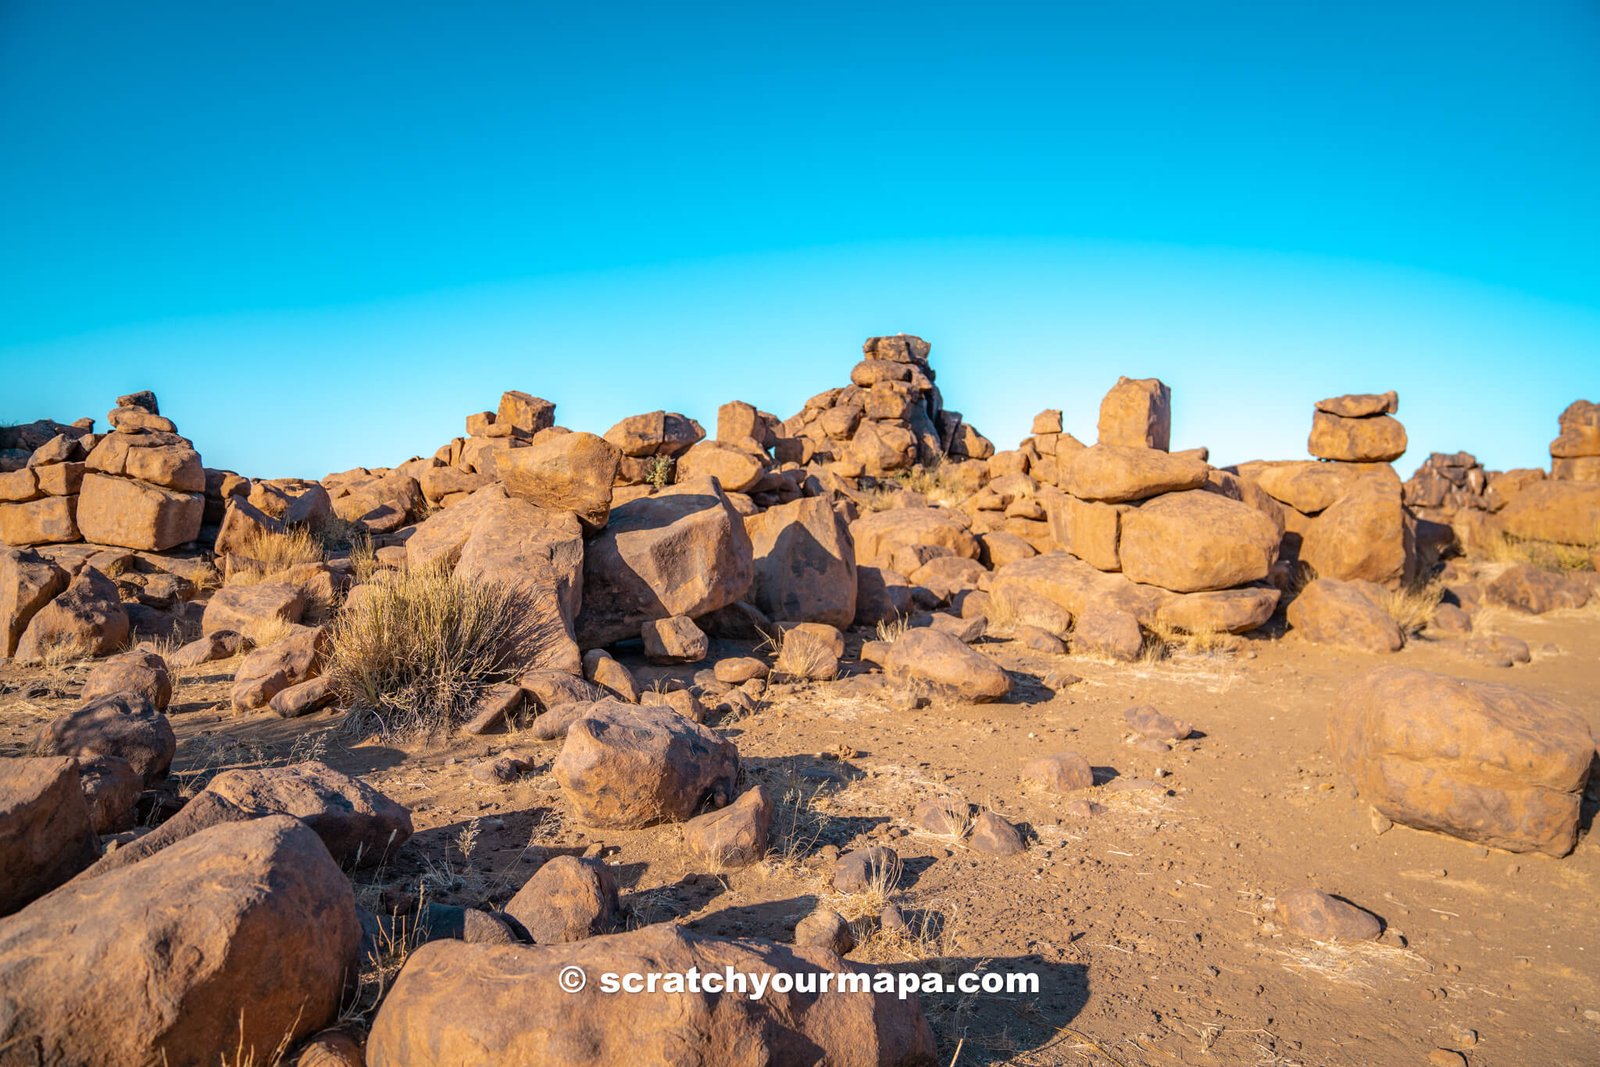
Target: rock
[[523, 415], [303, 698], [879, 535], [47, 521], [1367, 534], [1487, 763], [331, 1048], [948, 576], [683, 551], [825, 929], [220, 644], [28, 581], [939, 661], [86, 619], [808, 651], [1196, 541], [1312, 487], [248, 609], [625, 767], [875, 869], [1048, 421], [805, 564], [1342, 613], [1040, 640], [675, 639], [734, 836], [495, 708], [1146, 721], [111, 789], [1566, 512], [141, 674], [521, 1015], [46, 834], [1116, 474], [1136, 413], [941, 817], [657, 433], [1314, 914], [125, 725], [681, 701], [736, 670], [735, 469], [135, 514], [1361, 405], [993, 836], [567, 899], [1500, 650], [601, 669], [1530, 589], [1062, 772], [881, 596], [1233, 611], [359, 826], [1372, 439], [268, 671], [565, 472], [1108, 632], [163, 460], [1450, 619], [537, 553], [181, 943]]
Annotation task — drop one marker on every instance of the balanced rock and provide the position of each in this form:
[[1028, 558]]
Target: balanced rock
[[1196, 541], [564, 472], [1136, 413]]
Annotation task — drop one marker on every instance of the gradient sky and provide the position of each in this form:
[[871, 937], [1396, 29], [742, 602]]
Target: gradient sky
[[324, 233]]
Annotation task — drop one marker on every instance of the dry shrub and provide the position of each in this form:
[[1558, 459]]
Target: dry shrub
[[1547, 555], [892, 630], [803, 656], [277, 552], [1413, 604], [416, 652], [1163, 639]]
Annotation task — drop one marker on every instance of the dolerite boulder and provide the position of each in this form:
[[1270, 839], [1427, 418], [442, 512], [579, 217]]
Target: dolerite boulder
[[1117, 474], [940, 663], [45, 831], [456, 1003], [626, 766], [571, 472], [1311, 487], [655, 433], [1489, 763], [805, 564], [1575, 454], [737, 470], [1567, 512], [1357, 429], [1526, 588], [734, 836], [910, 537], [1332, 612], [1196, 541], [683, 551], [1136, 413], [124, 725], [142, 488], [238, 939], [142, 674], [86, 619], [1367, 534], [568, 899], [28, 581]]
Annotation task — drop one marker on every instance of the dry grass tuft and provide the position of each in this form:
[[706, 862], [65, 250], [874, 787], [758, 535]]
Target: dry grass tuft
[[1547, 555], [277, 552], [892, 630], [801, 656], [1412, 605], [1163, 640], [416, 652]]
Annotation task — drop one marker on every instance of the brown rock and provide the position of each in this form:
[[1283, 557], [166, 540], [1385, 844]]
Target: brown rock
[[1137, 413], [158, 459], [565, 472], [942, 663], [520, 1014], [1196, 541], [567, 899], [523, 415], [1530, 589], [1361, 405], [52, 520], [877, 868], [305, 697], [1063, 772], [1566, 512], [1313, 487], [734, 836], [735, 469], [805, 564], [268, 671], [1148, 722], [1233, 611], [111, 789], [1329, 611], [675, 639], [1314, 914], [736, 670], [28, 581], [1108, 631], [993, 836], [134, 514], [220, 644], [1488, 763], [941, 817], [181, 942], [603, 670], [625, 766], [1118, 474], [825, 929], [1367, 534], [1374, 439], [246, 609], [139, 674], [538, 554], [882, 595], [125, 725], [46, 835], [86, 619]]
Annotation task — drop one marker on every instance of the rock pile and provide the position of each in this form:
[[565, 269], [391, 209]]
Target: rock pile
[[1575, 453]]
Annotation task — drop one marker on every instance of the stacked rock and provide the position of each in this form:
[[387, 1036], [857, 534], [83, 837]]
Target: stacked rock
[[39, 499], [143, 485], [651, 444], [1358, 428], [1575, 455], [1448, 483], [889, 419]]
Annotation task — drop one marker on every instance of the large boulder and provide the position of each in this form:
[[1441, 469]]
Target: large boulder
[[805, 563], [46, 521], [142, 674], [522, 1013], [683, 551], [28, 581], [1566, 512], [1117, 474], [564, 472], [159, 459], [1072, 586], [45, 832], [655, 433], [942, 663], [881, 536], [626, 766], [734, 836], [568, 899], [247, 609], [229, 944], [1233, 611], [125, 725], [1367, 439], [86, 619], [1196, 541], [1489, 763], [136, 514], [271, 669], [1137, 413], [1366, 534], [1311, 487], [1533, 590], [736, 469], [1332, 612]]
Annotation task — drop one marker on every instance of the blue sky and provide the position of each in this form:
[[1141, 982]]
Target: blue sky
[[325, 233]]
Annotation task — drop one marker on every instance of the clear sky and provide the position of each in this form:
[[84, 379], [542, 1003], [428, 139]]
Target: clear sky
[[324, 233]]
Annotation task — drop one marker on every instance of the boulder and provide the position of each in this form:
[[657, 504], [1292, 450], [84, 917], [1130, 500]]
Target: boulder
[[125, 725], [47, 521], [932, 659], [232, 943], [1195, 542], [993, 836], [735, 469], [626, 766], [268, 671], [1332, 612], [1533, 590], [871, 869], [1371, 439], [1136, 413], [824, 929], [111, 789], [734, 836], [805, 563], [522, 1016], [1314, 914], [1062, 772], [141, 674], [564, 472], [86, 619], [1233, 611], [675, 639], [683, 551], [567, 899], [942, 817], [46, 834], [1366, 534], [656, 433], [882, 595], [247, 609], [601, 668], [523, 415], [1312, 487], [28, 581], [303, 698], [1117, 474], [879, 535], [1110, 632], [164, 460], [1566, 512], [1488, 763], [135, 514]]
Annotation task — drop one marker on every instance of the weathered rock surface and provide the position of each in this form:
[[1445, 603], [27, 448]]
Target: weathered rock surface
[[1567, 512], [125, 725], [567, 899], [1117, 474], [939, 661], [1195, 542], [734, 836], [805, 563], [46, 835], [86, 619], [1136, 413], [564, 472], [1314, 914], [1332, 612]]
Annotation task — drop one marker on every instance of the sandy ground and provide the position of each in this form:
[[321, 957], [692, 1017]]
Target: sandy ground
[[1149, 923]]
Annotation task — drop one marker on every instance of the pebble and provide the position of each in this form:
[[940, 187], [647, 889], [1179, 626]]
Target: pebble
[[1444, 1057]]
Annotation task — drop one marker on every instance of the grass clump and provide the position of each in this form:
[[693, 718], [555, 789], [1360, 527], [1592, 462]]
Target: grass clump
[[1546, 555], [414, 653], [276, 553], [1412, 606]]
